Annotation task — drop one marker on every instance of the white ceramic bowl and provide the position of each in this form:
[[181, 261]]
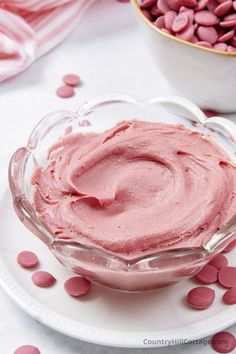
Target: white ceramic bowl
[[206, 76]]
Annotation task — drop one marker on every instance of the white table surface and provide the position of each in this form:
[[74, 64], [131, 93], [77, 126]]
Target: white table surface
[[107, 51]]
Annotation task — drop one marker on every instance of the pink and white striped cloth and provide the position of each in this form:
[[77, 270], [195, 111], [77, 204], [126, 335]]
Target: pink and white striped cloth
[[31, 28]]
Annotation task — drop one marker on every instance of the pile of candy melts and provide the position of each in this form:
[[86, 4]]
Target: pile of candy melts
[[208, 23]]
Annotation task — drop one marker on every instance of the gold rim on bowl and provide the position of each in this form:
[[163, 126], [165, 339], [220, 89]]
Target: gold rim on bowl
[[136, 6]]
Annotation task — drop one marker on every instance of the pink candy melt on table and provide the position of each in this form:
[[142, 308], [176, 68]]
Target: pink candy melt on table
[[27, 349], [43, 279], [71, 80], [207, 23], [201, 297], [27, 259], [77, 286], [223, 342], [65, 91]]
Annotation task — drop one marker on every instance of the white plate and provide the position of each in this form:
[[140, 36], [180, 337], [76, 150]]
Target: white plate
[[104, 316]]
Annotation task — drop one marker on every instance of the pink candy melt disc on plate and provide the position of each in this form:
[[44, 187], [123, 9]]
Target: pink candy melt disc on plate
[[43, 279], [201, 297], [229, 296], [27, 259], [208, 275], [77, 286], [227, 277], [219, 261]]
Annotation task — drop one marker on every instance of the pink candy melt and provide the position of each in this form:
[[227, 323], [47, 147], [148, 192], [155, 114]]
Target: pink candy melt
[[169, 19], [27, 259], [43, 279], [204, 44], [208, 34], [230, 247], [224, 8], [201, 297], [227, 277], [65, 91], [207, 23], [229, 296], [224, 342], [202, 4], [208, 275], [27, 349], [205, 18], [147, 3], [71, 80], [77, 286], [219, 261], [180, 22], [97, 187]]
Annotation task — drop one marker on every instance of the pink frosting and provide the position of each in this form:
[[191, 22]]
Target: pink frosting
[[136, 188]]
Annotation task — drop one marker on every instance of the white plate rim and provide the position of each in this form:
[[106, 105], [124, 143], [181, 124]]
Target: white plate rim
[[113, 338]]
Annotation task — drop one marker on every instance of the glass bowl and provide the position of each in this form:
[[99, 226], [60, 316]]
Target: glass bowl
[[98, 114]]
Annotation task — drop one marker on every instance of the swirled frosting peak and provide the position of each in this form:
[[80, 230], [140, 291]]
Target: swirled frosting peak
[[136, 188]]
